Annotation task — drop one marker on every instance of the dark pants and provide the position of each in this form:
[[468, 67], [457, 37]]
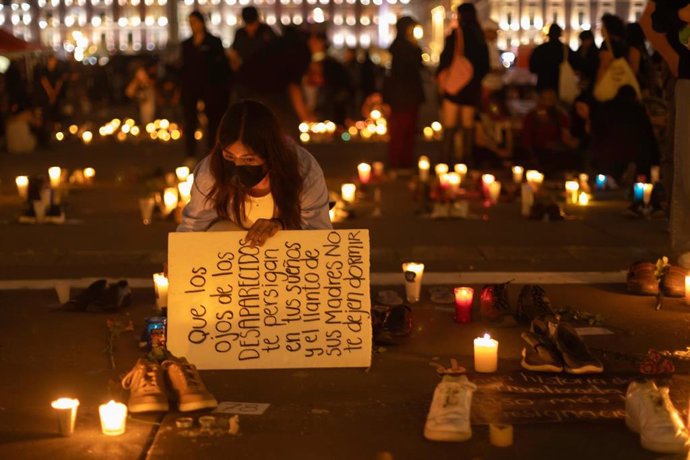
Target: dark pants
[[215, 105], [402, 129]]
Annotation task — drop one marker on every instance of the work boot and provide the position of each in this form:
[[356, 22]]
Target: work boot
[[650, 412], [146, 387], [449, 414], [189, 389]]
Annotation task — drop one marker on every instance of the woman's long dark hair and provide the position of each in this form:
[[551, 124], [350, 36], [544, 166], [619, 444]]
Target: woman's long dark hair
[[253, 124], [469, 22]]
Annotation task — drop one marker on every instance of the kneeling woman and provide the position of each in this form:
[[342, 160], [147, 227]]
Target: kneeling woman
[[256, 178]]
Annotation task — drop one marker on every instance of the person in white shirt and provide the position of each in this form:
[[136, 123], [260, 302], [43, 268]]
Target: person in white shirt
[[257, 178]]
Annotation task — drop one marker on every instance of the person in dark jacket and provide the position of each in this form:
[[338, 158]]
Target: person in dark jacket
[[252, 37], [464, 104], [205, 77], [404, 93], [546, 59], [588, 55]]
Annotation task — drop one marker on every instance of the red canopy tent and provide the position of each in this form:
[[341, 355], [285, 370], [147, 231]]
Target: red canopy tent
[[13, 46]]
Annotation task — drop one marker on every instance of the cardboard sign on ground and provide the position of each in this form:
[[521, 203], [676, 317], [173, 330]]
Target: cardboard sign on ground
[[300, 301]]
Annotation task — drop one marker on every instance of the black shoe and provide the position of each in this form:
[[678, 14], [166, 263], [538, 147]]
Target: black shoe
[[89, 296], [493, 302], [114, 297], [577, 358], [391, 325], [541, 355], [532, 303]]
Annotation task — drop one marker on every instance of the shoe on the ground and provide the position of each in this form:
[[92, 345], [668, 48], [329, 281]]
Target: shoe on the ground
[[577, 359], [541, 354], [391, 325], [641, 279], [493, 302], [146, 385], [673, 283], [449, 414], [532, 303], [190, 391], [650, 412]]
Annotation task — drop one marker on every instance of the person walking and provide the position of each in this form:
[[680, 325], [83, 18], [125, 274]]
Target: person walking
[[205, 78], [546, 59], [404, 93], [461, 107]]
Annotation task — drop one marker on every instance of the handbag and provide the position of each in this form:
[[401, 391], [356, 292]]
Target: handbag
[[460, 71], [568, 88], [617, 75]]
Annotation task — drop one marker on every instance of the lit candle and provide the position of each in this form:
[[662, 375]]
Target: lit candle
[[348, 192], [55, 174], [378, 169], [66, 412], [89, 174], [485, 354], [655, 174], [463, 304], [444, 180], [494, 191], [113, 418], [638, 192], [440, 169], [423, 166], [170, 199], [601, 181], [571, 189], [413, 280], [87, 137], [428, 133], [534, 178], [185, 189], [583, 199], [461, 169], [486, 180], [364, 173], [453, 180], [518, 172], [687, 300], [501, 435], [160, 284], [647, 194], [182, 173], [22, 186]]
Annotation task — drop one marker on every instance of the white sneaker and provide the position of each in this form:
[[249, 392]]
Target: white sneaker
[[449, 414], [650, 412]]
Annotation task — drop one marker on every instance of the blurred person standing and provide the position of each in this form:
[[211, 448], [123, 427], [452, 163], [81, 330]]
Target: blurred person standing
[[142, 90], [588, 55], [645, 72], [403, 91], [250, 38], [50, 81], [546, 59], [205, 78], [462, 107]]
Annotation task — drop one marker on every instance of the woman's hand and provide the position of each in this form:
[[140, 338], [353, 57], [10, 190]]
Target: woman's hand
[[262, 230]]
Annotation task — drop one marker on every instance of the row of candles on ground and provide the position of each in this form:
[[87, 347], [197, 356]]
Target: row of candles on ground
[[57, 176], [161, 129], [373, 128], [173, 196], [485, 348], [113, 416]]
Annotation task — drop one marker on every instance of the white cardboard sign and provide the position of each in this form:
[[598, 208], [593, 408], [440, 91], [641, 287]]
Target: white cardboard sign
[[302, 300]]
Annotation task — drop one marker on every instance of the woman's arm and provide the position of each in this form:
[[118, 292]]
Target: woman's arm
[[199, 214], [658, 41]]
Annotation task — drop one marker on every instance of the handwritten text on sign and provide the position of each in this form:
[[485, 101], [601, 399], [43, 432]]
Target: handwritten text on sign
[[301, 300]]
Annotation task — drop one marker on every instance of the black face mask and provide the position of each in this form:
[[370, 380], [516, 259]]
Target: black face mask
[[247, 176]]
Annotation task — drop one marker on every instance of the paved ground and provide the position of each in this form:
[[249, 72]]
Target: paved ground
[[314, 413]]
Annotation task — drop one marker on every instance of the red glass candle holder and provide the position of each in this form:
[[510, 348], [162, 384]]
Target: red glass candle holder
[[464, 297]]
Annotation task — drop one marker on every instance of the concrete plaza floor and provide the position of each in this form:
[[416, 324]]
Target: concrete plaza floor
[[377, 413]]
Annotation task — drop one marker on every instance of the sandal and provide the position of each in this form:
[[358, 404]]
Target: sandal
[[642, 280], [673, 283]]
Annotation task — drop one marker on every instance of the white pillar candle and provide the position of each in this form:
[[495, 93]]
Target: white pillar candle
[[583, 199], [66, 412], [441, 169], [170, 199], [160, 284], [55, 174], [534, 178], [348, 192], [647, 194], [494, 191], [113, 418], [485, 354], [424, 166], [22, 186], [501, 435], [687, 301], [461, 168], [413, 280], [454, 181], [526, 199], [518, 172], [571, 189], [364, 173], [89, 174], [182, 173]]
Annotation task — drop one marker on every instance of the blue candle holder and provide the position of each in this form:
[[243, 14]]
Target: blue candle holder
[[601, 181], [638, 192]]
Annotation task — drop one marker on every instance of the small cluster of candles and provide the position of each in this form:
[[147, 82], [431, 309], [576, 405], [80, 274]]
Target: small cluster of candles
[[113, 416], [375, 127], [161, 130], [57, 176], [485, 348], [433, 132], [366, 173]]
